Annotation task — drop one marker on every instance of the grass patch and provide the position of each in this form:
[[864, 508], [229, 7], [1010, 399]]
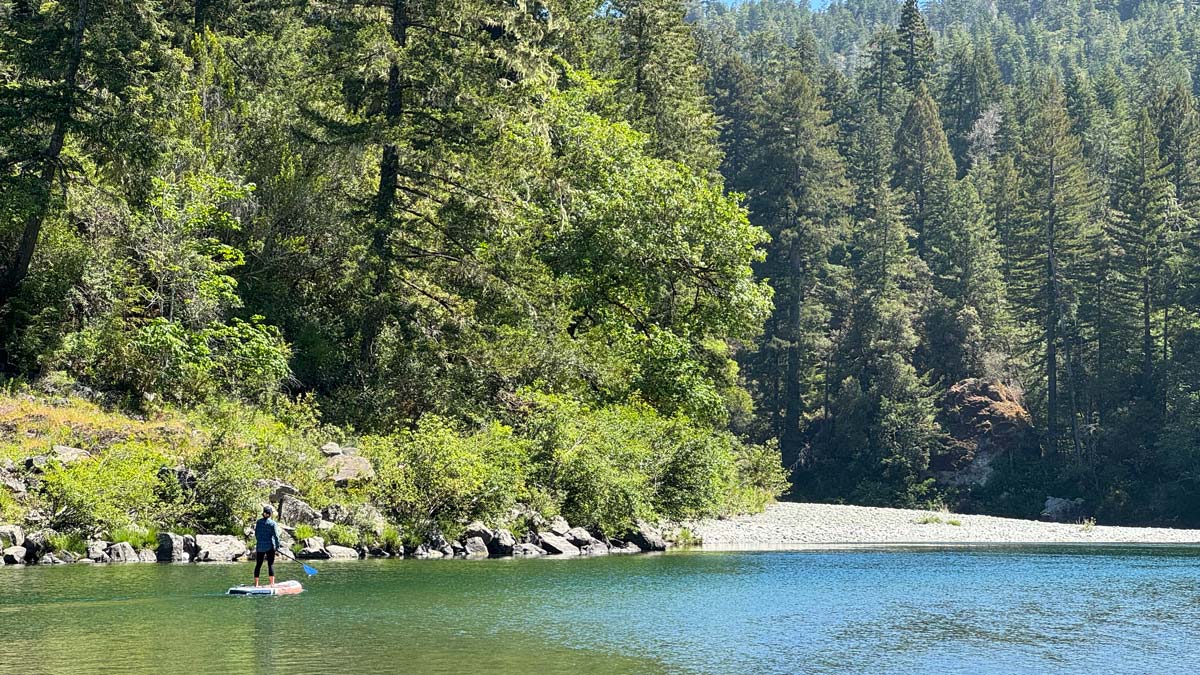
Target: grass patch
[[685, 537], [1087, 525], [137, 537], [955, 522], [392, 541], [73, 542], [930, 519]]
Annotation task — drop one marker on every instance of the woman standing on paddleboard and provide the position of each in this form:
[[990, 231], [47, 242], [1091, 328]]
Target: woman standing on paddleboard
[[266, 542]]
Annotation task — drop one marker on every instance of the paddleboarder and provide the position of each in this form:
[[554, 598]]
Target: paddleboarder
[[266, 542]]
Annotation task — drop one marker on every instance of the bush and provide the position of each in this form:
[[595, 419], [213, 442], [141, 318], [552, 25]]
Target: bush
[[303, 532], [182, 365], [436, 477], [344, 535], [116, 489]]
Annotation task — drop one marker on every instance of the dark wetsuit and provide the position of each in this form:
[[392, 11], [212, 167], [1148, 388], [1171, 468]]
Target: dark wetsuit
[[266, 542]]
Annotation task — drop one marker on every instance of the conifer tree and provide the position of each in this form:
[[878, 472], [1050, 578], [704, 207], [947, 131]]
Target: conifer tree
[[1057, 203], [924, 167], [661, 81], [1142, 234], [915, 47], [879, 76]]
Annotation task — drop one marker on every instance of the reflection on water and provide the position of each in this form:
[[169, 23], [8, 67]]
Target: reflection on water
[[1002, 610]]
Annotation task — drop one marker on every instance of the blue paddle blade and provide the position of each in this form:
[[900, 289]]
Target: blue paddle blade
[[310, 571]]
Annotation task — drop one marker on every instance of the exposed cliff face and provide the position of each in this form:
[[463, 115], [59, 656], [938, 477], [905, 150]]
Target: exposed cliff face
[[985, 419]]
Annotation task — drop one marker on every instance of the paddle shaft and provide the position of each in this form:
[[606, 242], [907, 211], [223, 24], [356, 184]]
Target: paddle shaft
[[310, 571]]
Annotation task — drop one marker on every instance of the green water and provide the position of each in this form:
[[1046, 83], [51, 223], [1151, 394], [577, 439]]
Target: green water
[[861, 611]]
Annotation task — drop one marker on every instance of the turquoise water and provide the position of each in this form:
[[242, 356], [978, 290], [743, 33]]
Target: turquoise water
[[858, 611]]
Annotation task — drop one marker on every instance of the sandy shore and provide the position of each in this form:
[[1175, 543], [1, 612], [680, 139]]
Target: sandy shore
[[792, 525]]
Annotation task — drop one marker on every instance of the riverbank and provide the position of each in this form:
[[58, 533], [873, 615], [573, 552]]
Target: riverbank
[[794, 525]]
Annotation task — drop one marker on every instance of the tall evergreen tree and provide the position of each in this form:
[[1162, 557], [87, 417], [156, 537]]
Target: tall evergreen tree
[[915, 47], [924, 167], [1057, 203]]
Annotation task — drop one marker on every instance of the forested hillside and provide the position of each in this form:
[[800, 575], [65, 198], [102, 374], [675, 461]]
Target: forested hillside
[[984, 229], [612, 259]]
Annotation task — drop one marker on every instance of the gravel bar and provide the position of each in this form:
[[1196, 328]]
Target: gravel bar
[[794, 525]]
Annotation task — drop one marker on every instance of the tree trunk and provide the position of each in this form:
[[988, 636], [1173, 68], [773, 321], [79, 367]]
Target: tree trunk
[[1051, 324], [18, 268], [389, 165]]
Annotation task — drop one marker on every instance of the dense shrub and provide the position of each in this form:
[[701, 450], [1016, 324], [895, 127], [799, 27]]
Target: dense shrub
[[437, 477], [118, 489]]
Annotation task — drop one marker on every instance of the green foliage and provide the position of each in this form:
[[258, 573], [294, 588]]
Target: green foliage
[[113, 491], [344, 535], [72, 541], [437, 477], [303, 532], [137, 537]]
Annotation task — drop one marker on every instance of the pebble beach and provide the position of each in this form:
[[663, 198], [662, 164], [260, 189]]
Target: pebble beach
[[796, 525]]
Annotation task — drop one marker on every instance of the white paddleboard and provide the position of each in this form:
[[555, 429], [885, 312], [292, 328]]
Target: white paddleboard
[[284, 588]]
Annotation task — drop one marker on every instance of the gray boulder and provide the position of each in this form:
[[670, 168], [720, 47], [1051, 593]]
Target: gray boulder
[[346, 469], [338, 513], [478, 529], [38, 543], [278, 489], [341, 552], [11, 535], [502, 543], [378, 552], [331, 449], [122, 552], [175, 548], [594, 548], [12, 483], [559, 526], [295, 511], [524, 550], [555, 544], [50, 559], [476, 548], [65, 556], [313, 548], [147, 556], [624, 547], [97, 550], [647, 538], [580, 537], [1060, 510], [61, 453], [14, 555], [369, 518], [426, 552], [219, 548]]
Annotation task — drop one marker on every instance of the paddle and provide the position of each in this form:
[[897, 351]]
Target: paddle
[[310, 571]]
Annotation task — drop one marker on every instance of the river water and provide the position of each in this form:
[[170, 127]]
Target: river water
[[993, 610]]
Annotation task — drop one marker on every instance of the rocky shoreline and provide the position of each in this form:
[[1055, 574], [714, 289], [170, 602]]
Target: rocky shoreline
[[553, 537], [787, 525]]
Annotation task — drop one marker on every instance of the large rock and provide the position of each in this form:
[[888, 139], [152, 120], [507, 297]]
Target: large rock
[[594, 548], [555, 544], [341, 552], [346, 469], [1061, 510], [39, 542], [502, 543], [61, 453], [219, 548], [278, 489], [647, 538], [50, 559], [624, 547], [147, 556], [559, 526], [97, 550], [338, 513], [426, 552], [985, 419], [526, 550], [12, 483], [313, 548], [476, 547], [580, 537], [11, 535], [175, 548], [122, 552], [369, 518], [14, 555], [478, 529], [295, 511]]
